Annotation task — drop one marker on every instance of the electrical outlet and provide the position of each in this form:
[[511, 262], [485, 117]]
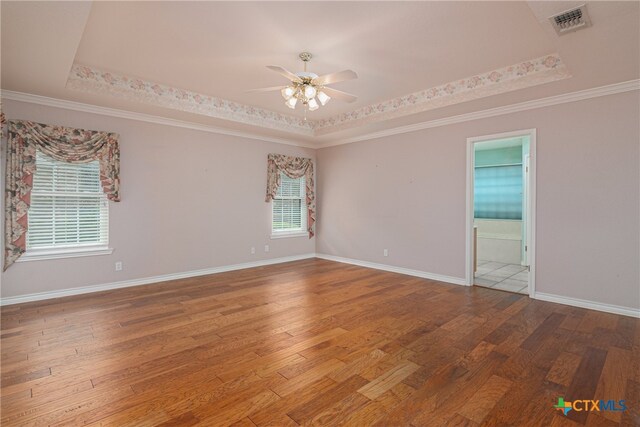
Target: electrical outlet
[[385, 252], [119, 266], [253, 250], [266, 248]]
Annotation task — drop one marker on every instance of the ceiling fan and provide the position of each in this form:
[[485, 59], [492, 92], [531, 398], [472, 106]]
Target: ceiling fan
[[305, 86]]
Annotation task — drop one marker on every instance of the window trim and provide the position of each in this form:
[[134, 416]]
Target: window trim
[[72, 250], [42, 254], [289, 233]]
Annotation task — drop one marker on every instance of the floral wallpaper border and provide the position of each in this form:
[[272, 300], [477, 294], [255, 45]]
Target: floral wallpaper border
[[518, 76], [525, 74], [92, 80]]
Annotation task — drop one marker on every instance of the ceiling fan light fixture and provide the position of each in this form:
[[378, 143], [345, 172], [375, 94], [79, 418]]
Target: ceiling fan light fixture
[[291, 102], [287, 92], [309, 91], [313, 105], [323, 98]]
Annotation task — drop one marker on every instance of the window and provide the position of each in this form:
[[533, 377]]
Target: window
[[69, 211], [289, 207], [498, 192]]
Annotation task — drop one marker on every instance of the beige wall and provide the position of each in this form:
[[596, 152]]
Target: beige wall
[[406, 193], [190, 200]]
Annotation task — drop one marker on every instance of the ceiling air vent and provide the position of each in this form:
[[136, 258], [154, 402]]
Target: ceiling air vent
[[571, 20]]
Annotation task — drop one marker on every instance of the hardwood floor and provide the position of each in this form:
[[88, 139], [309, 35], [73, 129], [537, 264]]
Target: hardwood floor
[[313, 342]]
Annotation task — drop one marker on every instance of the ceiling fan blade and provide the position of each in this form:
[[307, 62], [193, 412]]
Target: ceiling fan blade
[[266, 89], [284, 72], [338, 94], [340, 76]]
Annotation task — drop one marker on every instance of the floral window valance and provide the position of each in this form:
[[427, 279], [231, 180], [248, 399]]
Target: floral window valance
[[293, 167], [63, 144]]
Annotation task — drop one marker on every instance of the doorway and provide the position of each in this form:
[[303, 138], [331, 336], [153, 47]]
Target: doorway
[[501, 211]]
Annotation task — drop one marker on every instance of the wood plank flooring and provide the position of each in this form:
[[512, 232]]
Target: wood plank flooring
[[313, 342]]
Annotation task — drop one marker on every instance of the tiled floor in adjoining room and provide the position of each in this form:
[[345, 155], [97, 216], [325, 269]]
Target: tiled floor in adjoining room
[[506, 277]]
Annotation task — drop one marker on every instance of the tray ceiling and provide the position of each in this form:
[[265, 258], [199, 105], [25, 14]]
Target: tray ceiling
[[195, 60]]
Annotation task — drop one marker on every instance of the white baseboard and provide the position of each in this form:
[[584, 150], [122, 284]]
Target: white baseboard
[[147, 280], [391, 268], [608, 308], [592, 305]]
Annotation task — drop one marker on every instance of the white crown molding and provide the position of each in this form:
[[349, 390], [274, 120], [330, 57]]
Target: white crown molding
[[148, 118], [581, 95], [147, 280], [393, 269], [591, 305]]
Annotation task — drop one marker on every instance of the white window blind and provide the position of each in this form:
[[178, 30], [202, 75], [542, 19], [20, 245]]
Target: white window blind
[[68, 207], [289, 206]]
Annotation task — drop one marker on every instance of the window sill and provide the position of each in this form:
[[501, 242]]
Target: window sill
[[45, 254], [285, 235]]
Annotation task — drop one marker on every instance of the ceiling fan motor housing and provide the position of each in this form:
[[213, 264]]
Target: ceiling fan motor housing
[[306, 75]]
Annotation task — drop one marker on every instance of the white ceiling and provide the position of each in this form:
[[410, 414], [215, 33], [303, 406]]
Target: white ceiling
[[220, 49]]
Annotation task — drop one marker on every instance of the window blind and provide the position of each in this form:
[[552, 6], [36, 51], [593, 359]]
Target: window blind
[[289, 205], [68, 206], [498, 192]]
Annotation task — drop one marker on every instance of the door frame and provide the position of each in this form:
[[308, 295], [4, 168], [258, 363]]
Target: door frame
[[530, 214]]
